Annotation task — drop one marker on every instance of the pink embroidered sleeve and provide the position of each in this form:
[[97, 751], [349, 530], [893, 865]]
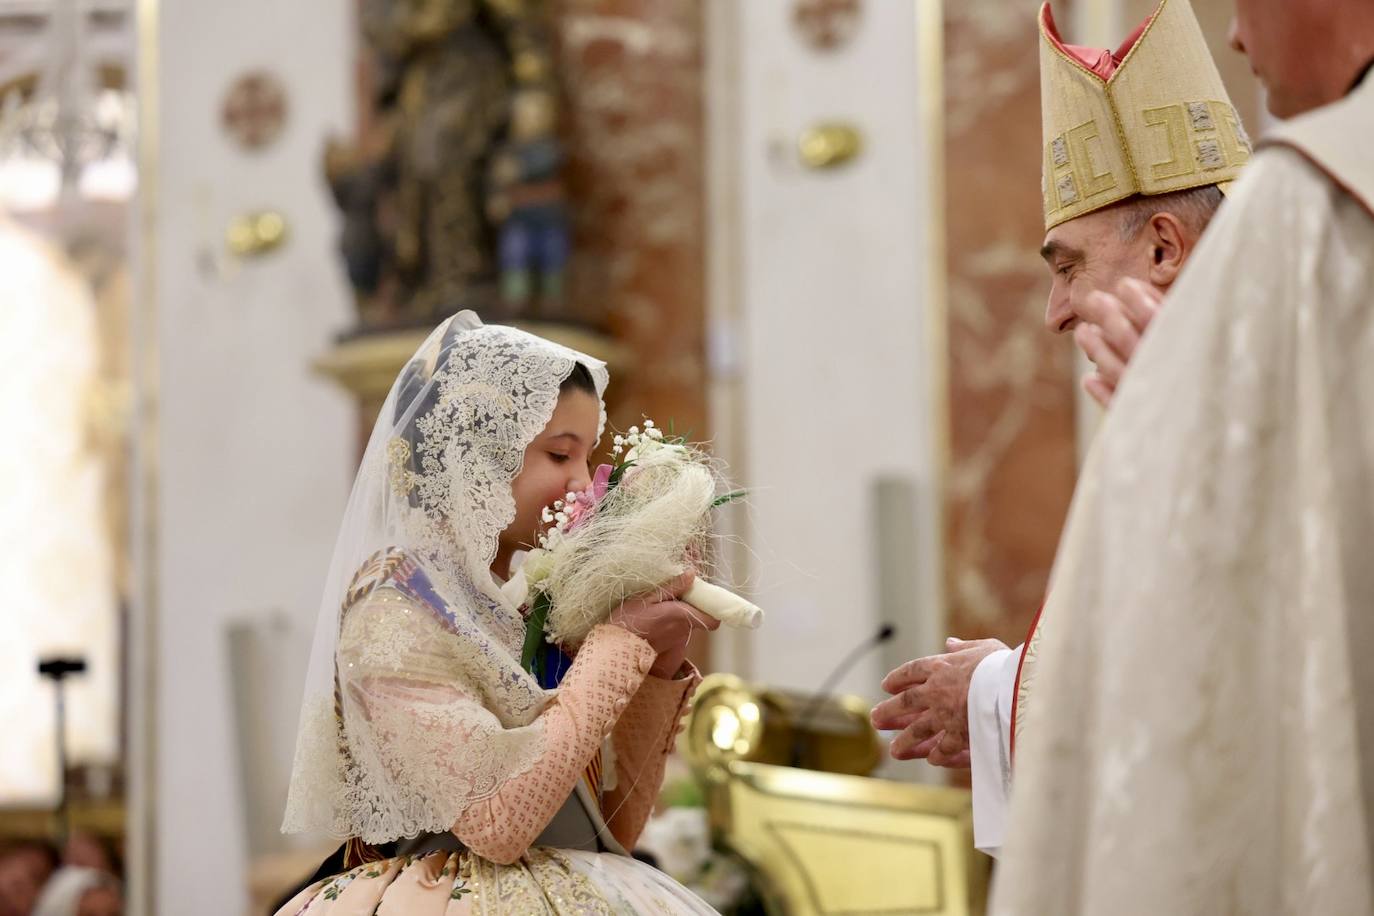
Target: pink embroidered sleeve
[[608, 672], [643, 739]]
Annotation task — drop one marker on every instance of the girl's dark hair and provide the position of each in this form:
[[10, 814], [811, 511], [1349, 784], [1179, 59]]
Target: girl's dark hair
[[580, 379]]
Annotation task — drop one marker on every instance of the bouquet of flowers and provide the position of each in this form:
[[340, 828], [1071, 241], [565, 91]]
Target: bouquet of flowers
[[631, 531]]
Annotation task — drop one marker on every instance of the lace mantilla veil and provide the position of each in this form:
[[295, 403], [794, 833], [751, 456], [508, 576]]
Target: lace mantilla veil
[[414, 710]]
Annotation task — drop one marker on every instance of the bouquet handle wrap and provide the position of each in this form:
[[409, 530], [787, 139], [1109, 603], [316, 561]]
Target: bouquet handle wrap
[[724, 605]]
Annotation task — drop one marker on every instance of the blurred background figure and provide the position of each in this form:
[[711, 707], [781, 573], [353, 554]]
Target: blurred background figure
[[24, 870], [86, 850], [75, 890]]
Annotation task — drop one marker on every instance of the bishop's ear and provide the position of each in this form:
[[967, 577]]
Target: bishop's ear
[[1170, 244]]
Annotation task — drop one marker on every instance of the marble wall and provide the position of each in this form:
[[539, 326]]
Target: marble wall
[[635, 128], [1011, 383], [633, 72]]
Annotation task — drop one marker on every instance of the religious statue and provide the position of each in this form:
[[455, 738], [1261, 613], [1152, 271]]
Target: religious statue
[[450, 80], [528, 203]]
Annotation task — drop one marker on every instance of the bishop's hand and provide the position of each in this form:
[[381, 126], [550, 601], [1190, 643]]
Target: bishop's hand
[[929, 703]]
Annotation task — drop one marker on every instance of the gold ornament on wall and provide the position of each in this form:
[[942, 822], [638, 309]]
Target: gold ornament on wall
[[829, 145], [255, 234]]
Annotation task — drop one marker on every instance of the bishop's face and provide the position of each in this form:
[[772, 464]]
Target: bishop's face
[[1087, 254]]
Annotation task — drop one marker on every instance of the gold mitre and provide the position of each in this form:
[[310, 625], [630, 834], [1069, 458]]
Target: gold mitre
[[1150, 119]]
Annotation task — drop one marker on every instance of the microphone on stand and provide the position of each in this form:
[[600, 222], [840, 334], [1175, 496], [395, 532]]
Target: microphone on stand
[[826, 691], [58, 670]]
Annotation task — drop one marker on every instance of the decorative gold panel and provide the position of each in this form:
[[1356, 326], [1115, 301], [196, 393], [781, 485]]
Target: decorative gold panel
[[819, 841], [828, 844]]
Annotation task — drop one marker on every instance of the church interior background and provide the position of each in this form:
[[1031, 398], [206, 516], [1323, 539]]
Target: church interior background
[[806, 230]]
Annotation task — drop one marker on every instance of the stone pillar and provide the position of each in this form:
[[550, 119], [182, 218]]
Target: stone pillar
[[1011, 384]]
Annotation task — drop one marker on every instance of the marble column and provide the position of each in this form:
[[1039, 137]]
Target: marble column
[[635, 130], [1011, 386]]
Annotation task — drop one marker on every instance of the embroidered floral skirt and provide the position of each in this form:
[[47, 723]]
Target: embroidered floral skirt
[[543, 881]]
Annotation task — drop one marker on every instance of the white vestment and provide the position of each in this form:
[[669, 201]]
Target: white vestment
[[989, 740], [1201, 739]]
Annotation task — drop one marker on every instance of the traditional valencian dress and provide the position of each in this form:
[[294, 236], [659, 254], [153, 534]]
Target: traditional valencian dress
[[459, 781]]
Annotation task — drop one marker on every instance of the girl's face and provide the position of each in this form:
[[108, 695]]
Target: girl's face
[[556, 463]]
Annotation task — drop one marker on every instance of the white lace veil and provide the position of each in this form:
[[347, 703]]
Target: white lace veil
[[415, 702]]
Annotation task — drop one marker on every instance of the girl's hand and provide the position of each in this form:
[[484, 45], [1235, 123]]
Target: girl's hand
[[665, 623]]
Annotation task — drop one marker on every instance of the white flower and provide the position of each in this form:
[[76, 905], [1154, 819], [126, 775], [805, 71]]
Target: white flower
[[571, 497], [537, 566], [546, 515], [634, 430], [561, 518], [648, 424], [619, 440], [656, 434]]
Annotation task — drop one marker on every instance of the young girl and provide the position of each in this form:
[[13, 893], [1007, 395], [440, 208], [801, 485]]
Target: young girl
[[461, 784]]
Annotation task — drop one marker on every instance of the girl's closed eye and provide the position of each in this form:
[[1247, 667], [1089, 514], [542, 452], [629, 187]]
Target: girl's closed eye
[[559, 458]]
